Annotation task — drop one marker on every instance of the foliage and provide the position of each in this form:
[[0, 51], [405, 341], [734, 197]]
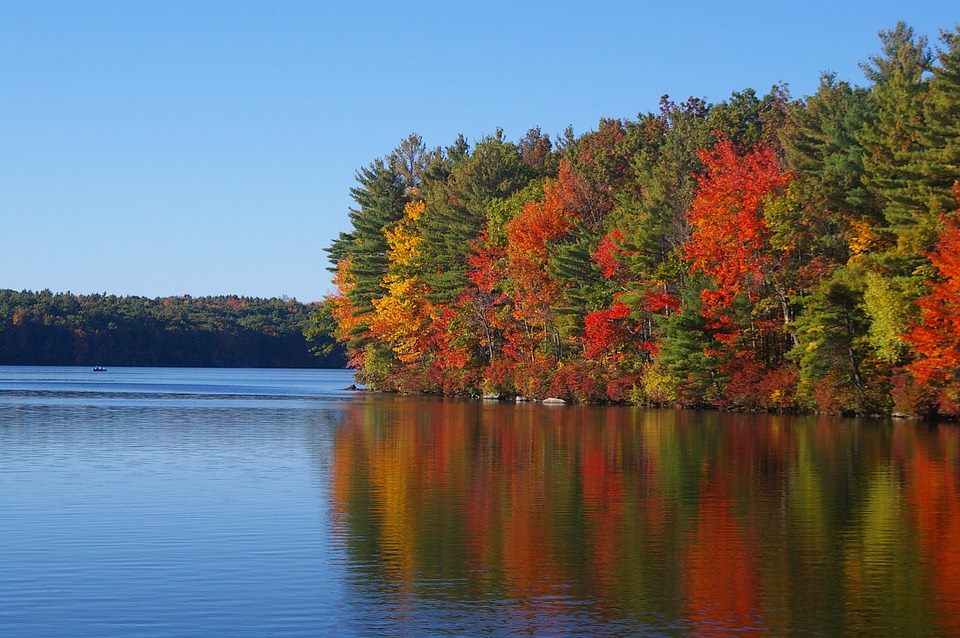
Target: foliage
[[936, 338], [760, 253]]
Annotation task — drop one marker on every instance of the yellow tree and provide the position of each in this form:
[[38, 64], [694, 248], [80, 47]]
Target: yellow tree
[[400, 316]]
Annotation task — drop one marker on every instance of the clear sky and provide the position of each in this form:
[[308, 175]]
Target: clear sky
[[190, 147]]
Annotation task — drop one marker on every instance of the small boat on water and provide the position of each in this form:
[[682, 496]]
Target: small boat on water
[[99, 369]]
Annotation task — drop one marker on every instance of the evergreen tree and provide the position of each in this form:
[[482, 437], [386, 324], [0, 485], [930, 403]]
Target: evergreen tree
[[380, 199], [941, 135], [684, 372], [458, 196], [894, 141]]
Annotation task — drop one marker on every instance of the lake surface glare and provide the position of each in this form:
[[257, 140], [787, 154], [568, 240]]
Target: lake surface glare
[[182, 502]]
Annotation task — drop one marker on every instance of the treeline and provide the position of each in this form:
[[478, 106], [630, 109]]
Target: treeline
[[44, 328], [762, 253]]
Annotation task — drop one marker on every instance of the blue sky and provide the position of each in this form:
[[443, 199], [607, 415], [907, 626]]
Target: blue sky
[[160, 148]]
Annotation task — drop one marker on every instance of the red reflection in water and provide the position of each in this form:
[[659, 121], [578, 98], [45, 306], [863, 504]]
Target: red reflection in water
[[723, 525], [932, 478], [720, 568]]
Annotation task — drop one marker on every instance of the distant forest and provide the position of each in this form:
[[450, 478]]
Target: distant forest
[[45, 328]]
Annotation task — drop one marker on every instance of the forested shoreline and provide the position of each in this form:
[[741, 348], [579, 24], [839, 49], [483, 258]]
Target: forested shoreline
[[759, 253], [45, 328]]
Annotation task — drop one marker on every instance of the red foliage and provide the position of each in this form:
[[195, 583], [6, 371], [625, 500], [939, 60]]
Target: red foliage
[[831, 396], [660, 302], [936, 339], [601, 145], [743, 384], [754, 386], [605, 162], [607, 254], [534, 376], [909, 396], [578, 381], [499, 375], [604, 331], [487, 270], [449, 354], [619, 387], [729, 237], [779, 387]]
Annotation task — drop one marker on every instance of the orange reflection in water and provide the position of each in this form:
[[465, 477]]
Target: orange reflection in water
[[721, 578], [701, 523], [931, 471]]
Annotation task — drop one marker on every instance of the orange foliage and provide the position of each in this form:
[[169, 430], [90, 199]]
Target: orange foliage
[[722, 583], [534, 293], [729, 241], [544, 221], [607, 254], [348, 320], [936, 339]]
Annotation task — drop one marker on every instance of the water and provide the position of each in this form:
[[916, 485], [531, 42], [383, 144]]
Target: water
[[173, 502]]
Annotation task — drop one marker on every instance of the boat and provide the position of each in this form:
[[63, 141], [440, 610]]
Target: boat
[[99, 369]]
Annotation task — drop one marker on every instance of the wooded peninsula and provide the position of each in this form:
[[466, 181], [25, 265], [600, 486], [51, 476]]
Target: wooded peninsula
[[760, 253], [43, 328]]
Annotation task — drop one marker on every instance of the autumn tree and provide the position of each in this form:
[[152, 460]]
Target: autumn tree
[[730, 238], [762, 252], [935, 339]]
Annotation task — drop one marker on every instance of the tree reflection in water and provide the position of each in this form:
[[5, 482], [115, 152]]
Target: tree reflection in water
[[660, 521]]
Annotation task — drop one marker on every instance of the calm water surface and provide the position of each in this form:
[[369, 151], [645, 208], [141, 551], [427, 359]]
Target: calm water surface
[[174, 502]]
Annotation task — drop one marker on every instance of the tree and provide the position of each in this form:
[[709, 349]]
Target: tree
[[935, 339], [409, 161], [940, 163], [893, 140], [838, 370], [380, 199], [457, 197], [759, 253], [730, 239], [821, 147]]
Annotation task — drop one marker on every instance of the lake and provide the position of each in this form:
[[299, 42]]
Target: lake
[[185, 502]]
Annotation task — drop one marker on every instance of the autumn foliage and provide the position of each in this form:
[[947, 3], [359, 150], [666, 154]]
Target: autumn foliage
[[936, 337], [761, 253], [730, 240]]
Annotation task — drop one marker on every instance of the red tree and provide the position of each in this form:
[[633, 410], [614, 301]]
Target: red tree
[[605, 332], [608, 254], [729, 239], [730, 243], [936, 338]]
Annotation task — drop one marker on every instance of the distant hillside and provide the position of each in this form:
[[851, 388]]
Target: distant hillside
[[44, 328]]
